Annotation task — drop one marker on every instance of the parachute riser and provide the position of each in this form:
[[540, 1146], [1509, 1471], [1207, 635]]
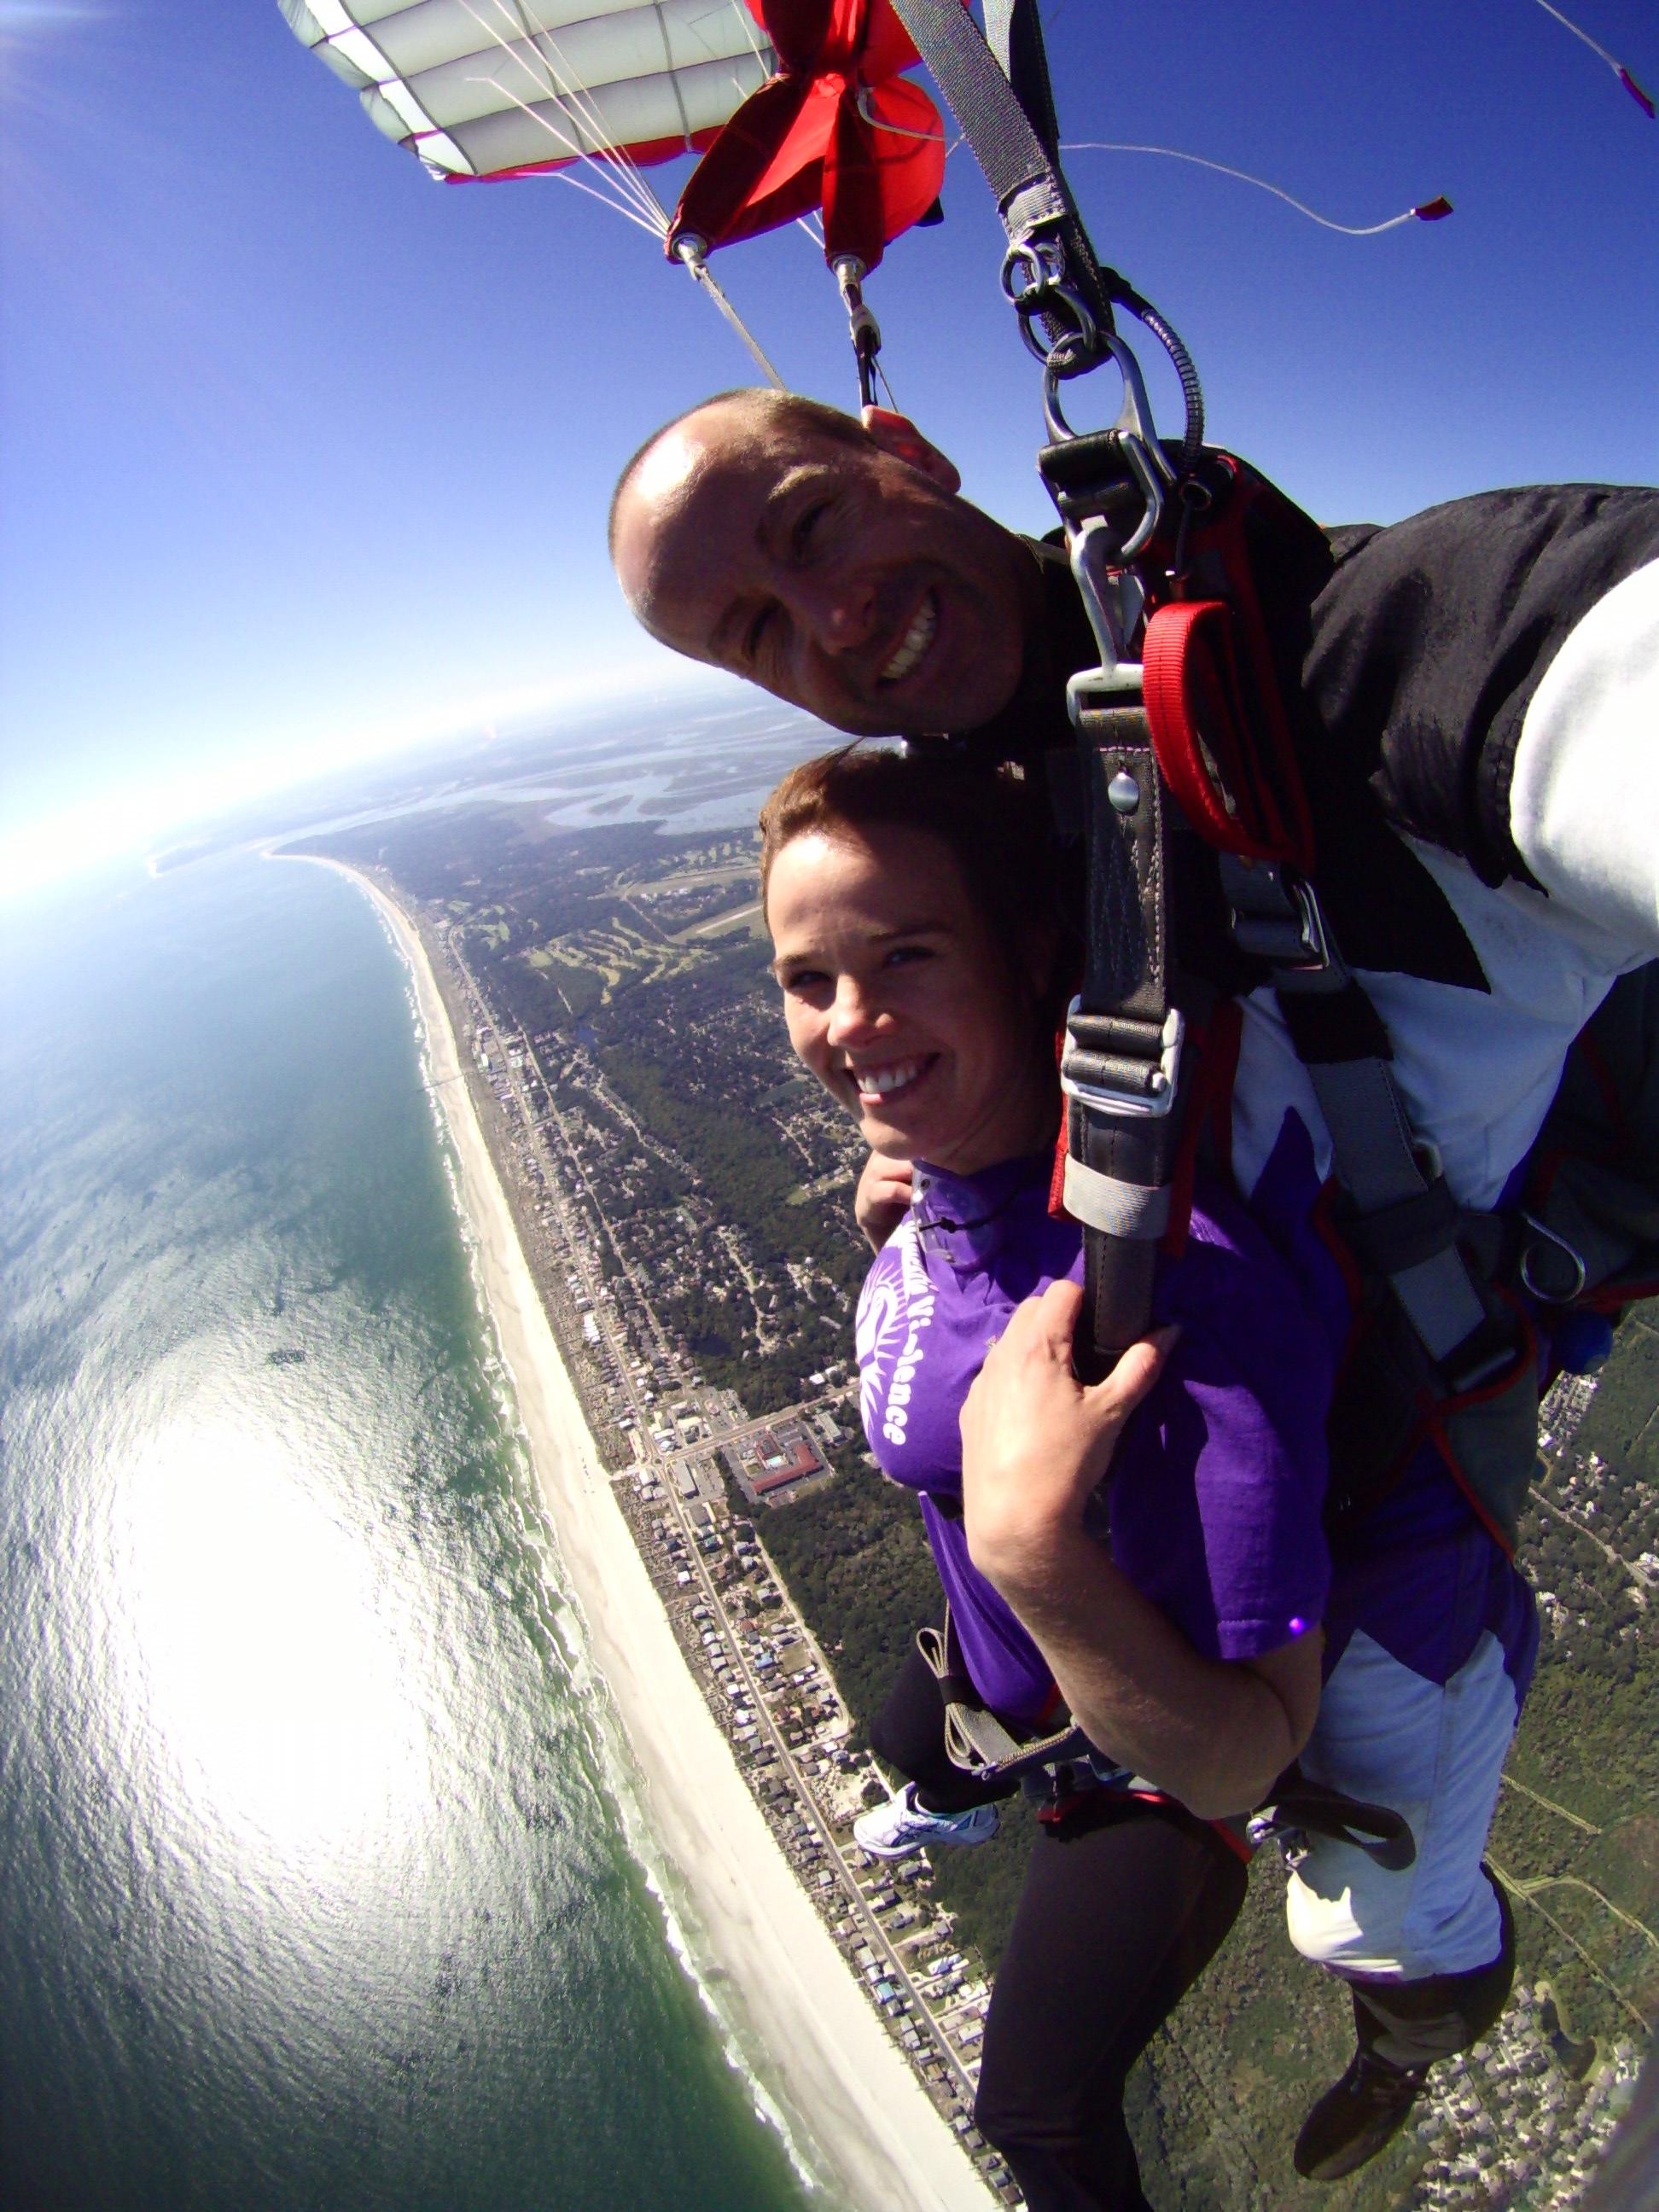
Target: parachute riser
[[862, 327]]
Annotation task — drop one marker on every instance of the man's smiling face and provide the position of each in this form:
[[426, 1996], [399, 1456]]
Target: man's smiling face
[[841, 577]]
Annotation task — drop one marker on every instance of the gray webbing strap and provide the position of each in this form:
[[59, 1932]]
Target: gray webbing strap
[[974, 1738], [1116, 1209], [1031, 193], [1378, 1166], [1405, 1223], [1121, 1061]]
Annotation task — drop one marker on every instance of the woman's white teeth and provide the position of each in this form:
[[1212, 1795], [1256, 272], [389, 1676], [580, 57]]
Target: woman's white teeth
[[916, 642], [877, 1082]]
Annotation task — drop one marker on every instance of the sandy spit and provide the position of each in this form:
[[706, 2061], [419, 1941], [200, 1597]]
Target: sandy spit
[[816, 2042]]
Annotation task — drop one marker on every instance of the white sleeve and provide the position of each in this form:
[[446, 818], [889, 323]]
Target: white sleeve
[[1584, 797]]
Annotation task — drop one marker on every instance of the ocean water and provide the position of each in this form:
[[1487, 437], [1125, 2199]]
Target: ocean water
[[319, 1883]]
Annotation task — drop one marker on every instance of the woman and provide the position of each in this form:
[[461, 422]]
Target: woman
[[917, 951]]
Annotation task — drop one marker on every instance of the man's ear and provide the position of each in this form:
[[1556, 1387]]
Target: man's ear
[[899, 435]]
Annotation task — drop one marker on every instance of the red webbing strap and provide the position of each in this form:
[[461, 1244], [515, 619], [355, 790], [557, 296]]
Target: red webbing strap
[[1226, 758]]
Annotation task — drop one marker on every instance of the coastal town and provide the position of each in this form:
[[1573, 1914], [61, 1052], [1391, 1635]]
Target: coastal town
[[681, 1451], [712, 1359]]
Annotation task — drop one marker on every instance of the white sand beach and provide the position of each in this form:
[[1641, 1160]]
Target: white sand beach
[[823, 2050]]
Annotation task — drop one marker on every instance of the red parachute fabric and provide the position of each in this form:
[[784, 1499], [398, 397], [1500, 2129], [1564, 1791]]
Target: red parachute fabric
[[837, 128]]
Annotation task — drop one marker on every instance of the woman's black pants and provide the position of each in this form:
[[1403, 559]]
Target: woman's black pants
[[1124, 1905]]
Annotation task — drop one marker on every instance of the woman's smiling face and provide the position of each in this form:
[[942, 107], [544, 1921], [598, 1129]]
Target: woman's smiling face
[[899, 1000]]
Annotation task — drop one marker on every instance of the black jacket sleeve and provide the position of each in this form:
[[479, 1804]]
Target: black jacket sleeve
[[1432, 634]]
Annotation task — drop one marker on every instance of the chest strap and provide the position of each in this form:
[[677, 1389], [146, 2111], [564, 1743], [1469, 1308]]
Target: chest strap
[[1121, 1060]]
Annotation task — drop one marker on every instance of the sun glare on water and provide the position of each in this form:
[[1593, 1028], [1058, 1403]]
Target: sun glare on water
[[261, 1658]]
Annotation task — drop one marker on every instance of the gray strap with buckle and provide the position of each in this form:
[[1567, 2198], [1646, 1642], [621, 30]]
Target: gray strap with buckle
[[1120, 1067]]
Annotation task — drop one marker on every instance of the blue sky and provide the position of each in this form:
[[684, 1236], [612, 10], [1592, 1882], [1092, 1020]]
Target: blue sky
[[306, 454]]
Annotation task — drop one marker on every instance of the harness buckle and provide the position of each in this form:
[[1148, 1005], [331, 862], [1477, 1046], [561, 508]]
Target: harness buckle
[[1282, 924], [1103, 1098]]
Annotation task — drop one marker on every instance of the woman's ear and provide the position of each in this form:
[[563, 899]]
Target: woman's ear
[[899, 435]]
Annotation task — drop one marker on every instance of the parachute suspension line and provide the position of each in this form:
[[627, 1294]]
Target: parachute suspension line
[[619, 202], [866, 109], [1643, 100], [689, 251], [605, 199], [862, 325], [1428, 211], [621, 170], [766, 56], [620, 173]]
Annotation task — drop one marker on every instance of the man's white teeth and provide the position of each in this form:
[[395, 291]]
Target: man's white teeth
[[877, 1082], [916, 642]]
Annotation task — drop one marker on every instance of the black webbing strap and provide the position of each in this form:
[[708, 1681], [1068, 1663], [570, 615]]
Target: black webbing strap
[[1013, 31], [1121, 1061], [1298, 1809]]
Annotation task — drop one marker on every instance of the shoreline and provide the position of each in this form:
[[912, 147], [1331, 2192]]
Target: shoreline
[[821, 2049]]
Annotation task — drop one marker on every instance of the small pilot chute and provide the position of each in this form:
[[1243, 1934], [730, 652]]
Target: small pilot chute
[[800, 102], [485, 89], [838, 129]]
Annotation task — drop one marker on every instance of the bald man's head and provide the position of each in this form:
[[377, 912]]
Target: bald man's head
[[761, 406], [830, 561]]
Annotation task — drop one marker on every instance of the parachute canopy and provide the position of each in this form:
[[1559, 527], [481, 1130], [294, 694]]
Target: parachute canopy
[[482, 88]]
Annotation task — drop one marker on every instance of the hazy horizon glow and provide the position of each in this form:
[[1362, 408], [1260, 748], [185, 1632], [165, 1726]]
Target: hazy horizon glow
[[134, 821]]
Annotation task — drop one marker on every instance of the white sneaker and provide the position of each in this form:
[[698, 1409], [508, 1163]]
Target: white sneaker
[[889, 1830]]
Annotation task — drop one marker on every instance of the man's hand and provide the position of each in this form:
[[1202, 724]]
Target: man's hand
[[882, 1197], [1035, 1442]]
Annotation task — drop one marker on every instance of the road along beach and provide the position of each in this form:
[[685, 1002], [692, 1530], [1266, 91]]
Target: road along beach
[[800, 2014]]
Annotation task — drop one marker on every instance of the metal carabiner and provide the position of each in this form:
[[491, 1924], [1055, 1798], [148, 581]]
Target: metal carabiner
[[1114, 600], [1134, 435]]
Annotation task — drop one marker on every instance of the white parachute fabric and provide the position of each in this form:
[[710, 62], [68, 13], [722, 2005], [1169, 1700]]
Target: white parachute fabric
[[497, 87]]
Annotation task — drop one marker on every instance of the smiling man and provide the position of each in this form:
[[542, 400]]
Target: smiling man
[[833, 563]]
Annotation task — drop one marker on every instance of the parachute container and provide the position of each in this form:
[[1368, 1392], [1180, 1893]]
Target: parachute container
[[481, 88]]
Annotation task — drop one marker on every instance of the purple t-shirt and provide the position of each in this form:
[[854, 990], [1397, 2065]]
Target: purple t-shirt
[[1218, 1479]]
